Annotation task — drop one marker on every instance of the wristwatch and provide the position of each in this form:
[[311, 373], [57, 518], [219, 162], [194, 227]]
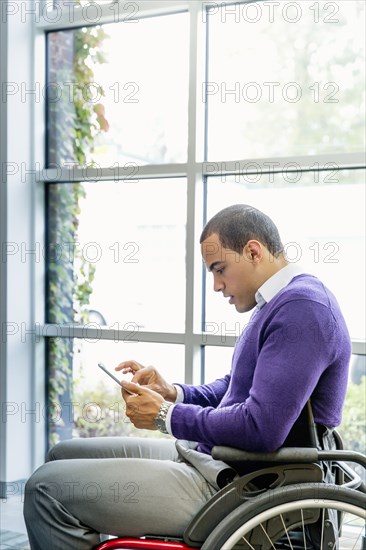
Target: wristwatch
[[159, 419]]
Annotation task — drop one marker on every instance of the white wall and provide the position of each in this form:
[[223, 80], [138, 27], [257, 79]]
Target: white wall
[[22, 385]]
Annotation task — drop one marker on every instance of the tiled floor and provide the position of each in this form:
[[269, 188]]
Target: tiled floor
[[13, 534], [9, 540]]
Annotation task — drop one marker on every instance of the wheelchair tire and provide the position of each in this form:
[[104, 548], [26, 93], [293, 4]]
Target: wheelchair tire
[[285, 518]]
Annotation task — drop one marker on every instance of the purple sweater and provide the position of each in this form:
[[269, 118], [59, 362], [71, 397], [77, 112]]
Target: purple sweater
[[296, 346]]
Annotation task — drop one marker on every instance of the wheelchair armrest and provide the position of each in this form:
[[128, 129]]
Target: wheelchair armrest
[[285, 454]]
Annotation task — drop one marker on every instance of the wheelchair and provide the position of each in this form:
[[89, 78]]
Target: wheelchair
[[301, 498]]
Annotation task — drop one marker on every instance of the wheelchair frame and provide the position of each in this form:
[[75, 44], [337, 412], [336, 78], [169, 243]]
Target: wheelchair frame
[[294, 468]]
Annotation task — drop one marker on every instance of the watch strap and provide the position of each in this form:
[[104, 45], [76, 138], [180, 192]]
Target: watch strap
[[160, 418]]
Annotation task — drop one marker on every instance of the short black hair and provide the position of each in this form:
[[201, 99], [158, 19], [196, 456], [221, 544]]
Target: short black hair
[[237, 224]]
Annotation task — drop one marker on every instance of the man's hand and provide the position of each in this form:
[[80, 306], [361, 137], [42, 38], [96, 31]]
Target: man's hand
[[142, 407], [149, 378]]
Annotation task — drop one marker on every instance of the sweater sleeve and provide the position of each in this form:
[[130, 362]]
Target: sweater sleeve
[[295, 348], [206, 394]]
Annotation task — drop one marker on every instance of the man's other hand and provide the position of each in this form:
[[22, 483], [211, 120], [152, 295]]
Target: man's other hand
[[150, 378]]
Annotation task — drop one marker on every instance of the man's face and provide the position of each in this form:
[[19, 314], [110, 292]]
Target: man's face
[[235, 275]]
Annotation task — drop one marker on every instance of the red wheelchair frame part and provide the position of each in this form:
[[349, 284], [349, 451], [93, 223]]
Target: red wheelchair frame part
[[137, 544]]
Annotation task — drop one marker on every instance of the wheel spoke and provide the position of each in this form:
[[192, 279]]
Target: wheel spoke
[[248, 543], [285, 528], [303, 528], [265, 532], [357, 540], [322, 533]]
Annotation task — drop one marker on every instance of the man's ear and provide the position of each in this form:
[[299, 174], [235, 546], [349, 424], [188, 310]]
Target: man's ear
[[253, 251]]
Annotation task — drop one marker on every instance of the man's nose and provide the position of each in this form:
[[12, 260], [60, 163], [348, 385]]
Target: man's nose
[[218, 284]]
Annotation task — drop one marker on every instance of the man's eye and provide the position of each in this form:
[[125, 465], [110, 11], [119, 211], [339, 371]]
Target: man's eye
[[220, 270]]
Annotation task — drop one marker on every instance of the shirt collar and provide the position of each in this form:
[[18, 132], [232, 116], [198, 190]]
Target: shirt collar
[[277, 282]]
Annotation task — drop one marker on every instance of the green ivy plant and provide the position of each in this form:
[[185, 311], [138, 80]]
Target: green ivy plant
[[73, 125], [353, 427]]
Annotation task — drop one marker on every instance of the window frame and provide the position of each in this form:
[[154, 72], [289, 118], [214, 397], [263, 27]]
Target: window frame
[[196, 173], [194, 170]]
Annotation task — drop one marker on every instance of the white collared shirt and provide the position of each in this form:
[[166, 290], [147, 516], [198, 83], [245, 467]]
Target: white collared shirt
[[277, 282]]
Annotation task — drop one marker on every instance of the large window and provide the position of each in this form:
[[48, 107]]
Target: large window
[[159, 114]]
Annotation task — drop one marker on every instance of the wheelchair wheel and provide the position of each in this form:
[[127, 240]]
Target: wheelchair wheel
[[297, 517]]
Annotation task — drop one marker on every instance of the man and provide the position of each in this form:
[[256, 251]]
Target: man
[[295, 346]]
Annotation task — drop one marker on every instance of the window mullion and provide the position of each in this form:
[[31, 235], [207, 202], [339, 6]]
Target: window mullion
[[65, 15], [92, 331], [194, 199], [126, 172], [285, 164]]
